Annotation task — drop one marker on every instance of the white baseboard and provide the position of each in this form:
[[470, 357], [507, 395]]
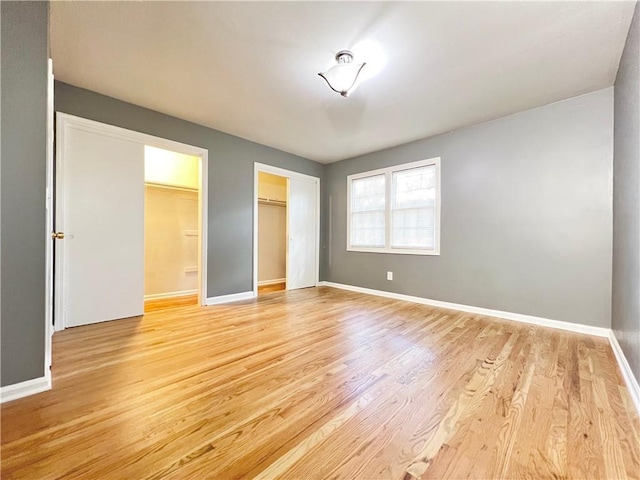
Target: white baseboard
[[518, 317], [158, 296], [271, 282], [23, 389], [234, 297], [627, 374]]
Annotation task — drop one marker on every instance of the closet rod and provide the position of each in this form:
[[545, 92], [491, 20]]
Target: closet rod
[[170, 187], [267, 201]]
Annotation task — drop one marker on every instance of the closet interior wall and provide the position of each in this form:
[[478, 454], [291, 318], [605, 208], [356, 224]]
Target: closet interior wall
[[171, 224]]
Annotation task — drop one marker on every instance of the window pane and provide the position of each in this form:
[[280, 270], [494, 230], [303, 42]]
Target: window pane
[[367, 193], [368, 212], [413, 195], [367, 229]]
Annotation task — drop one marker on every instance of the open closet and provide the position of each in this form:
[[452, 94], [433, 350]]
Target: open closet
[[170, 228], [272, 232]]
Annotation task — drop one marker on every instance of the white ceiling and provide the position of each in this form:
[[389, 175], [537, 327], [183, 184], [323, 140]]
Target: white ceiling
[[250, 69]]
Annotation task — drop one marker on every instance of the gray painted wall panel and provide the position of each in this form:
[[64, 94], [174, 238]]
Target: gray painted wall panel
[[625, 318], [231, 159], [526, 215], [23, 177]]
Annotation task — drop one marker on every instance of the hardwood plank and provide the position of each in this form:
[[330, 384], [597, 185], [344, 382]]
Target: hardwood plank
[[274, 287], [584, 439], [174, 302], [370, 432], [481, 441], [477, 387], [323, 383]]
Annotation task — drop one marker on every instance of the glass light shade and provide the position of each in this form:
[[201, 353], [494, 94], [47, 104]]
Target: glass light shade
[[342, 77]]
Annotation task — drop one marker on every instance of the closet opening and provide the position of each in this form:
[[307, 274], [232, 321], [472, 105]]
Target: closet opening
[[272, 233], [171, 228]]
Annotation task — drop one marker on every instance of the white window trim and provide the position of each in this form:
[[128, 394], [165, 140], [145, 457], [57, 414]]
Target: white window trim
[[387, 234]]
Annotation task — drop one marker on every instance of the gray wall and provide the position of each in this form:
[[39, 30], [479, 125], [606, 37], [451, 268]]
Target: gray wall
[[625, 317], [23, 173], [526, 215], [231, 159]]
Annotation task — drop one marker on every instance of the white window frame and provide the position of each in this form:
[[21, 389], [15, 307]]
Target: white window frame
[[387, 211]]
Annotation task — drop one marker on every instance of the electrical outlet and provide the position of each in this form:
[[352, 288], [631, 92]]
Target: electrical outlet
[[389, 275]]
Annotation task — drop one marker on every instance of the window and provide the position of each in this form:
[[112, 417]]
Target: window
[[395, 209], [368, 211]]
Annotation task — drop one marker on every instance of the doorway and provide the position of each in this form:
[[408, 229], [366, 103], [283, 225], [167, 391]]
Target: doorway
[[99, 221], [301, 211], [172, 184], [272, 233]]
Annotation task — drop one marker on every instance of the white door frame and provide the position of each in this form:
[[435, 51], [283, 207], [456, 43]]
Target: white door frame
[[261, 167], [65, 122], [48, 289]]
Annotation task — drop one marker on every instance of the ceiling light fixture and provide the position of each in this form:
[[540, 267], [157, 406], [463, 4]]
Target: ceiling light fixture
[[342, 77]]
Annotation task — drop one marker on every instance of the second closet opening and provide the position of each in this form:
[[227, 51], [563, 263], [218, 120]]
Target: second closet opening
[[272, 232]]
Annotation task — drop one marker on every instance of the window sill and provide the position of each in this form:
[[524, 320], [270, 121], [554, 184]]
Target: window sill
[[395, 251]]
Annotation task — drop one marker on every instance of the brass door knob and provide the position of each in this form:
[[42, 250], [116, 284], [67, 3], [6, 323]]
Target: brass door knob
[[58, 235]]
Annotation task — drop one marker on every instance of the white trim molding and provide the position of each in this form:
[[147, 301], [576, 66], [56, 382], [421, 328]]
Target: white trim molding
[[48, 291], [625, 368], [159, 296], [24, 389], [271, 282], [234, 297], [518, 317]]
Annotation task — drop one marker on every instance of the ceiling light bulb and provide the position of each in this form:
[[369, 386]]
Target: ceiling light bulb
[[342, 77]]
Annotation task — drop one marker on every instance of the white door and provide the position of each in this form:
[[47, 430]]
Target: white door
[[100, 210], [302, 222]]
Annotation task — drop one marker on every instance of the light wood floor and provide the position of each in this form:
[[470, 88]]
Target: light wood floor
[[164, 303], [173, 302], [275, 287], [322, 383]]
